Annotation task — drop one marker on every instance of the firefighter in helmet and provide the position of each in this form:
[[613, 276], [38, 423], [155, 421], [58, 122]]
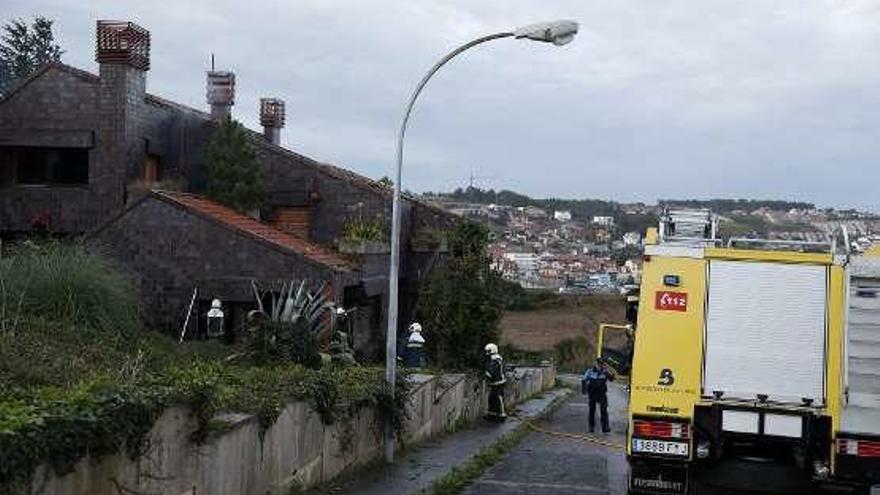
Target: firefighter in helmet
[[415, 347], [496, 380]]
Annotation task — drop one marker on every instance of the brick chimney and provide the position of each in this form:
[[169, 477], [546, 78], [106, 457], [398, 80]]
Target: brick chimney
[[272, 119], [221, 93]]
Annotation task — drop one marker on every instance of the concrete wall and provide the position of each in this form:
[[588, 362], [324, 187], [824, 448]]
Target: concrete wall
[[296, 451]]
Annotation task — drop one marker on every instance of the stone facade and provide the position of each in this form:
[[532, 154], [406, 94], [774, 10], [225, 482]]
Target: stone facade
[[115, 120], [171, 251], [136, 141]]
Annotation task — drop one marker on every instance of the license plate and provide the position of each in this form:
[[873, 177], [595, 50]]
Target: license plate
[[660, 447]]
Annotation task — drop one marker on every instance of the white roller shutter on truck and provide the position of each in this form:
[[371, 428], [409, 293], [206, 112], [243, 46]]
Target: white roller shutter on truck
[[765, 330]]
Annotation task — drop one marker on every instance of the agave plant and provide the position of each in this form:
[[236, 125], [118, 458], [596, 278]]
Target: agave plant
[[297, 305], [292, 328]]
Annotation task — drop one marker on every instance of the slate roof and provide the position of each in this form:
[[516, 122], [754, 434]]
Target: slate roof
[[233, 220], [78, 73], [334, 171]]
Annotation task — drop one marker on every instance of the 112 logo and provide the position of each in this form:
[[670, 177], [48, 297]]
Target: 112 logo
[[670, 301]]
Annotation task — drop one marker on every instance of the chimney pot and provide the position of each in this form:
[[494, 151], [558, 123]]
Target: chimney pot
[[122, 43], [221, 93], [272, 118]]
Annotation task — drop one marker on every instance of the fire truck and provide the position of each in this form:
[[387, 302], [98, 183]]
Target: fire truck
[[754, 352]]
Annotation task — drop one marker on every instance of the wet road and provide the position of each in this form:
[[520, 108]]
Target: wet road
[[552, 464]]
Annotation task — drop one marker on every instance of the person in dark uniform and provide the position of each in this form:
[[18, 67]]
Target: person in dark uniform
[[595, 385], [495, 378]]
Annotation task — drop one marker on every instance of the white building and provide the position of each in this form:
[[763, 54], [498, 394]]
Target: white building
[[562, 215], [603, 221], [632, 239], [526, 263]]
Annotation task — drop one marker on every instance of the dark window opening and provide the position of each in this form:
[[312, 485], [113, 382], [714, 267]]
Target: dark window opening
[[152, 169], [43, 166]]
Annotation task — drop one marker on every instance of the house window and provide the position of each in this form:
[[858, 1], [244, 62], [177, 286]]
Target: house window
[[31, 166]]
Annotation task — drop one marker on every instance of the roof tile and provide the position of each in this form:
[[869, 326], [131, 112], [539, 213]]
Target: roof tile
[[243, 223]]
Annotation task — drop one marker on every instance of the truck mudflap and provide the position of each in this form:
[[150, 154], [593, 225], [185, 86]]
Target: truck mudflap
[[656, 477]]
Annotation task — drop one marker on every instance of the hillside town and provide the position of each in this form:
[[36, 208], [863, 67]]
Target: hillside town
[[574, 252]]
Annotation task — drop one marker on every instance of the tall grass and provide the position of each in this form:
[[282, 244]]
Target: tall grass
[[63, 284], [65, 315]]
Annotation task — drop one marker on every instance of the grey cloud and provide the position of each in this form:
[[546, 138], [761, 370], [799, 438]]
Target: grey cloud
[[654, 99]]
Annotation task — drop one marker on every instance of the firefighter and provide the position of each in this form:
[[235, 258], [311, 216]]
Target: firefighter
[[415, 343], [595, 385], [495, 377]]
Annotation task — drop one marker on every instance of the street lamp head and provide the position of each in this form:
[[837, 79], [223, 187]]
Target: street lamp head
[[557, 32]]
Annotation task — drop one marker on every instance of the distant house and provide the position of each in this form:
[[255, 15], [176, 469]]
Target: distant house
[[96, 155], [603, 221], [562, 215], [596, 249], [526, 263]]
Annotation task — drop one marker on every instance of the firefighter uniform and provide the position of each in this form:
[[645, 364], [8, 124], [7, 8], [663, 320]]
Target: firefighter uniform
[[495, 378]]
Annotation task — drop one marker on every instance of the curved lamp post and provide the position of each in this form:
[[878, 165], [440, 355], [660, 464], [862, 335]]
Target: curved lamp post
[[559, 33]]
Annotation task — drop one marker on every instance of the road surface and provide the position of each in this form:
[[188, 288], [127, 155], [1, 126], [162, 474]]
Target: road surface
[[545, 464], [552, 464]]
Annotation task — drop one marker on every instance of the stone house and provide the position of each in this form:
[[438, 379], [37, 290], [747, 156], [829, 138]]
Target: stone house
[[96, 156]]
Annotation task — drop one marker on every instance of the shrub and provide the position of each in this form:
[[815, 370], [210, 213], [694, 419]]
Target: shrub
[[284, 342], [574, 355], [460, 304], [516, 298], [291, 329], [514, 355], [365, 230], [234, 177], [68, 286]]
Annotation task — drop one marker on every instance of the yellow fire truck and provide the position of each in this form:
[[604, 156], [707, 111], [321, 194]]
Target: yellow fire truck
[[761, 352]]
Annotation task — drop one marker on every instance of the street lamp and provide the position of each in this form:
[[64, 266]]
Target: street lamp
[[559, 33]]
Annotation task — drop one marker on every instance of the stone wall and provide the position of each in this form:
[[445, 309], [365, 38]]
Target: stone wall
[[297, 451], [217, 260], [120, 125]]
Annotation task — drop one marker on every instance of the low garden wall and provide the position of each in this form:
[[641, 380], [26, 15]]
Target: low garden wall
[[298, 450]]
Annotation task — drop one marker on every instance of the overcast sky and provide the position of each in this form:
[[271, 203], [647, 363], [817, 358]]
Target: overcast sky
[[746, 98]]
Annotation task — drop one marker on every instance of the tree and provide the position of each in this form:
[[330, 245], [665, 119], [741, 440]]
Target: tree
[[23, 48], [233, 175], [461, 303]]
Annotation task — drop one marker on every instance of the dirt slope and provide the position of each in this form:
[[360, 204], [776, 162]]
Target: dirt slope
[[576, 316]]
